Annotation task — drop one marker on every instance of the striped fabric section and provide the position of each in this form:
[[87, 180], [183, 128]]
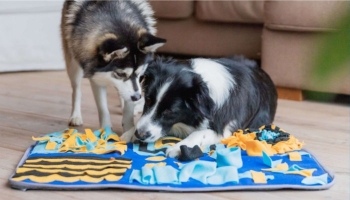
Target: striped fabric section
[[72, 169]]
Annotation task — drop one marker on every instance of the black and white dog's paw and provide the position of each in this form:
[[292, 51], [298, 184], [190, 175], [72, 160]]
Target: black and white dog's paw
[[173, 151]]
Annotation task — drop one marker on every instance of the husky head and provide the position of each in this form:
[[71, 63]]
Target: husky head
[[124, 60]]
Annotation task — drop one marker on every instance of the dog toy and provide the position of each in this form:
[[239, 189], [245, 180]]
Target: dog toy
[[188, 153]]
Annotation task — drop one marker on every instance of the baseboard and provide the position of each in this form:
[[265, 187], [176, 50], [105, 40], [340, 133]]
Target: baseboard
[[290, 94]]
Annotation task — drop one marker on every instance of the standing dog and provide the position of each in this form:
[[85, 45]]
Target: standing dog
[[107, 42], [203, 100]]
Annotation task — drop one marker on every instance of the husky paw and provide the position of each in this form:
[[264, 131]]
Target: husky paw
[[128, 136], [75, 121], [106, 123], [173, 152]]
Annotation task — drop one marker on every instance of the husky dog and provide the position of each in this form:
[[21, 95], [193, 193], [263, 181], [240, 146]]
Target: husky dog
[[203, 100], [107, 42]]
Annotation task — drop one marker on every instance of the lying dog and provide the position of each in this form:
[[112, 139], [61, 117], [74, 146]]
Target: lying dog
[[203, 100], [107, 42]]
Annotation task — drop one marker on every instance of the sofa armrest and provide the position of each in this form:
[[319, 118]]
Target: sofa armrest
[[309, 16]]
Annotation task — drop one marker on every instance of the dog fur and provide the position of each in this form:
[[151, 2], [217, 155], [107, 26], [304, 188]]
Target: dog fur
[[109, 42], [203, 100]]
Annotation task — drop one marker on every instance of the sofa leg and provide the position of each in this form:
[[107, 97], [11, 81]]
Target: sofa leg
[[290, 94]]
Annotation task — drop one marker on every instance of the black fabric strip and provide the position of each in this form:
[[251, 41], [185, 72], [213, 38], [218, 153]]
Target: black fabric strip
[[167, 141], [143, 148]]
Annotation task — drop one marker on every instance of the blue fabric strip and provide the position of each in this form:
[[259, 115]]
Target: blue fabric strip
[[198, 170], [314, 180], [229, 157]]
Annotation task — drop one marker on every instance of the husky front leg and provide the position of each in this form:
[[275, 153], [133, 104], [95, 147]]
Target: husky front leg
[[128, 115], [128, 136], [75, 74], [100, 95]]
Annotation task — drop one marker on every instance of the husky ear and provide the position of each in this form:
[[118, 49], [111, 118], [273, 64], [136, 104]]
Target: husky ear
[[111, 49], [116, 54], [149, 43]]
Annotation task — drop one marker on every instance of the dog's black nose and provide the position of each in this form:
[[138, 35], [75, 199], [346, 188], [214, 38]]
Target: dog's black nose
[[136, 97], [143, 135]]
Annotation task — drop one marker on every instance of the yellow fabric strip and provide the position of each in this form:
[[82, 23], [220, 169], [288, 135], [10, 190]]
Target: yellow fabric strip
[[150, 165], [78, 160], [211, 152], [159, 143], [255, 148], [90, 135], [69, 131], [295, 156], [89, 172], [45, 138], [279, 167], [171, 138], [239, 139], [156, 158], [113, 137], [101, 144], [70, 142], [103, 132], [104, 151], [50, 145], [304, 172], [92, 166], [56, 177], [258, 177], [289, 145]]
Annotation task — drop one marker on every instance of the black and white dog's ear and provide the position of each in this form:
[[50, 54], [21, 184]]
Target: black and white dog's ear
[[149, 43], [199, 98]]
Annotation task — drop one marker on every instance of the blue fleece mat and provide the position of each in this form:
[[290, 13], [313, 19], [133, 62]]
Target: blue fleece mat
[[128, 171]]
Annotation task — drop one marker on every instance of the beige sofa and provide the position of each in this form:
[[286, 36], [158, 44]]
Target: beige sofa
[[282, 34]]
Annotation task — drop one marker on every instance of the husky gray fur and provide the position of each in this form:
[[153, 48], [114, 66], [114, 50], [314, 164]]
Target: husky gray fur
[[109, 42]]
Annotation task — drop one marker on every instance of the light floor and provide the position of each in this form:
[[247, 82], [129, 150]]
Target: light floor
[[35, 103]]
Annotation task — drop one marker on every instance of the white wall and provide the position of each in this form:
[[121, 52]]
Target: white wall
[[30, 35]]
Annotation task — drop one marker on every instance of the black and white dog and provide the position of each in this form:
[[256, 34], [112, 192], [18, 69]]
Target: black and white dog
[[203, 100]]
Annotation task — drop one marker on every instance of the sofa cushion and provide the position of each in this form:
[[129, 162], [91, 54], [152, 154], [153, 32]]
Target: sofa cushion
[[303, 16], [173, 9], [230, 11]]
